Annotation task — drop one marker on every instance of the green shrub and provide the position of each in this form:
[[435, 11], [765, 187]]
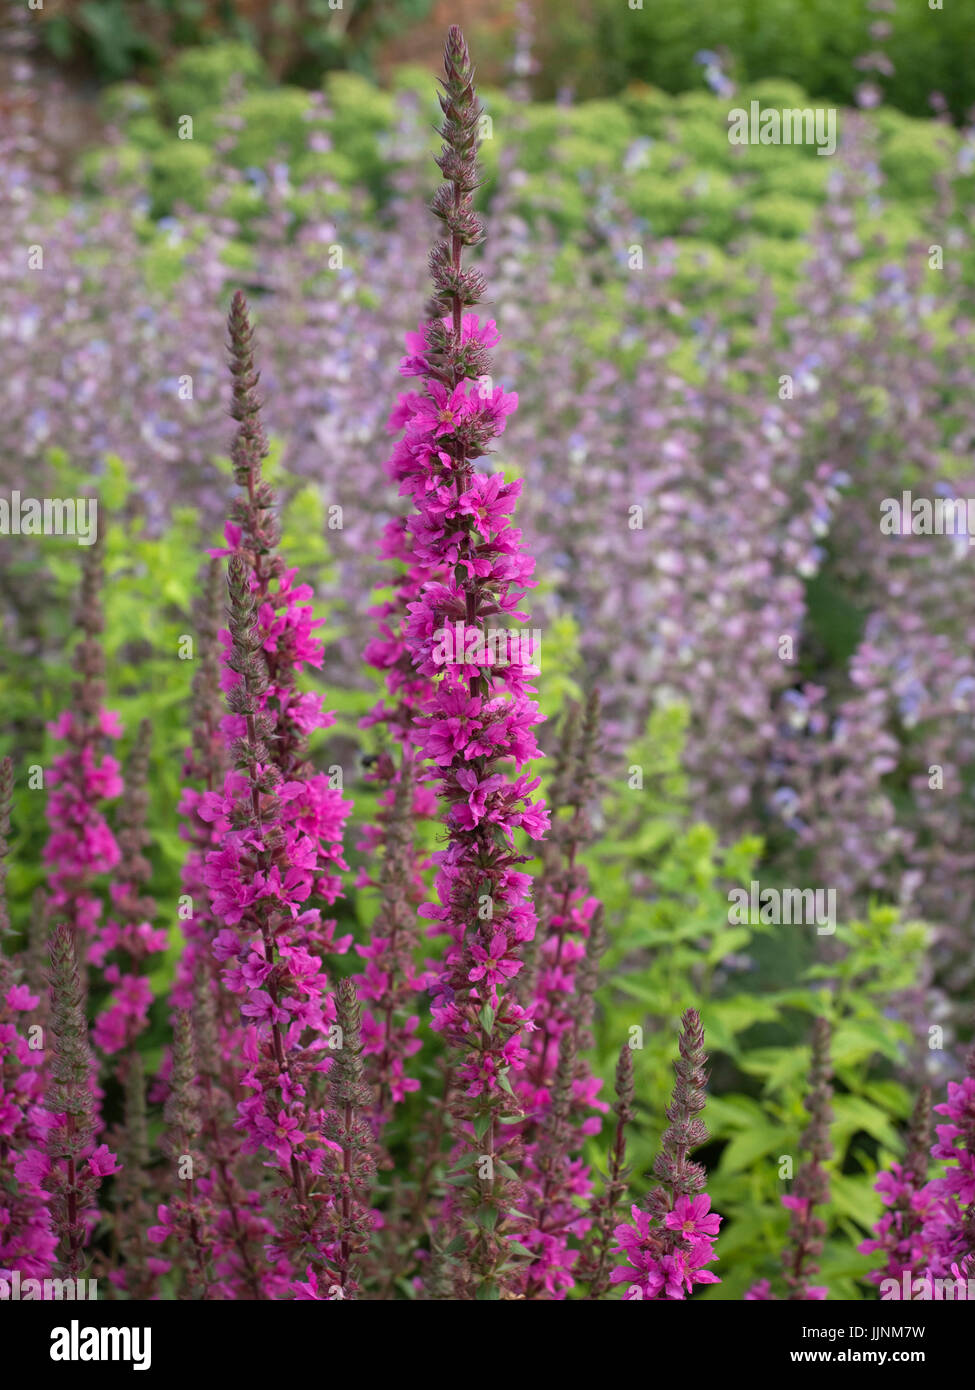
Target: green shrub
[[604, 45], [664, 881], [778, 215]]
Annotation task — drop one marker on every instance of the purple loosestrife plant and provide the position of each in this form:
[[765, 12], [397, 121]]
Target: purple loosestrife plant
[[603, 1209], [949, 1213], [186, 1219], [479, 717], [81, 847], [204, 770], [75, 1166], [128, 934], [899, 1232], [390, 980], [743, 501], [929, 1231], [671, 1239], [348, 1137], [279, 826], [135, 1269], [240, 1265], [260, 881], [27, 1240], [558, 981], [811, 1187]]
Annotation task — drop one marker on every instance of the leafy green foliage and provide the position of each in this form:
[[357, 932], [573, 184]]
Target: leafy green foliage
[[116, 37], [664, 881], [604, 45]]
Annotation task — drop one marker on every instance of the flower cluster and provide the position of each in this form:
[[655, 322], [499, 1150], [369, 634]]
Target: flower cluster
[[277, 828], [557, 1088], [670, 1241], [949, 1227], [129, 932], [898, 1233], [929, 1230], [186, 1219], [390, 980], [74, 1167], [27, 1240], [81, 846], [479, 717]]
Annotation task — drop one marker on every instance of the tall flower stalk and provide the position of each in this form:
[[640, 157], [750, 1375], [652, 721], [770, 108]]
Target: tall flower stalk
[[186, 1219], [900, 1231], [27, 1240], [804, 1242], [929, 1230], [811, 1187], [278, 826], [596, 1264], [671, 1239], [128, 939], [76, 1167], [558, 984], [348, 1136], [81, 847], [949, 1227], [240, 1230], [478, 719]]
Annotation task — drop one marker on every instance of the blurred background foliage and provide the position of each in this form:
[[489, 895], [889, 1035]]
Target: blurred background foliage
[[595, 47]]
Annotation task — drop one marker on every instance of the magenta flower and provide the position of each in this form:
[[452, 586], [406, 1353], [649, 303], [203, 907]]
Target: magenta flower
[[690, 1216], [103, 1163], [495, 965]]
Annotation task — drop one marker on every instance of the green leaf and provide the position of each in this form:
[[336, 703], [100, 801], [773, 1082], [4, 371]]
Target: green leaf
[[486, 1217], [750, 1145], [852, 1113]]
